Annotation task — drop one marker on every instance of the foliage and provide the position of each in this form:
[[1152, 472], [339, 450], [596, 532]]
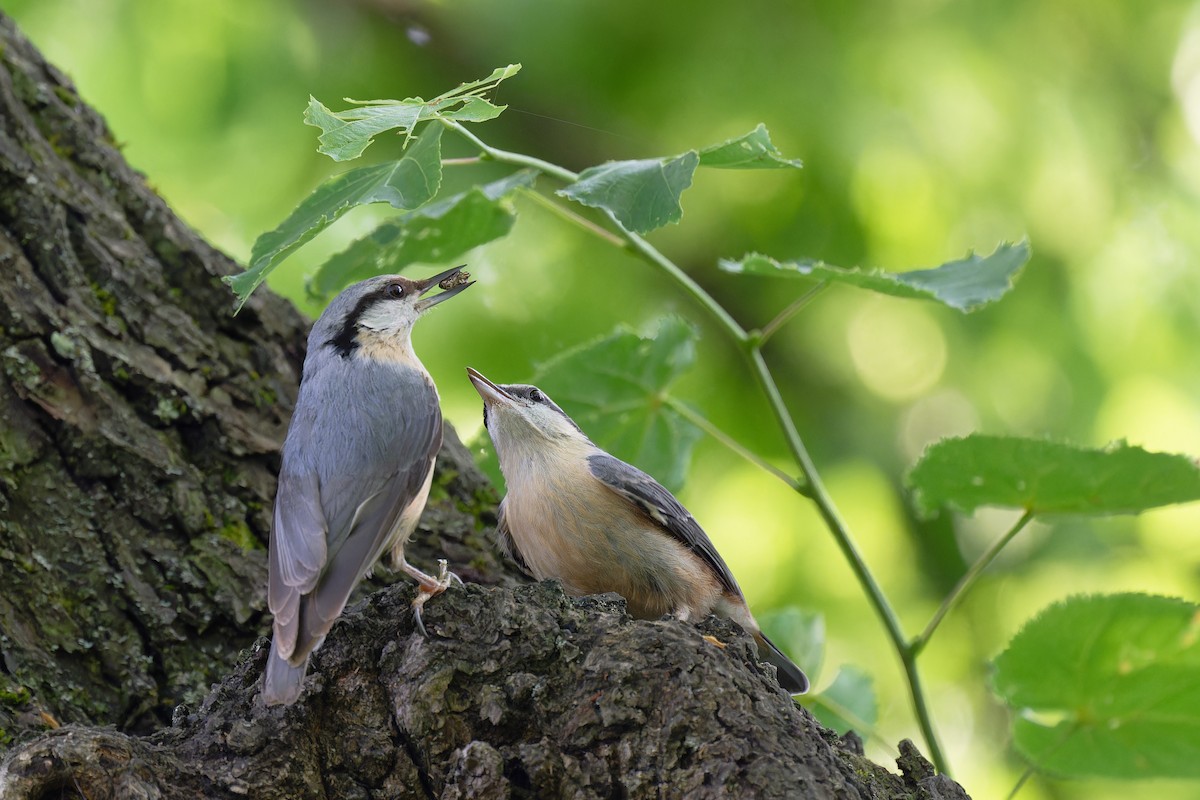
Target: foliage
[[621, 382]]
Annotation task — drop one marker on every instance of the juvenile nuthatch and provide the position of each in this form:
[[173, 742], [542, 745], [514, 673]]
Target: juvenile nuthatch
[[575, 513], [356, 467]]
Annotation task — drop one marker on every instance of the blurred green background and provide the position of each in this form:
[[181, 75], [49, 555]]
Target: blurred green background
[[928, 128]]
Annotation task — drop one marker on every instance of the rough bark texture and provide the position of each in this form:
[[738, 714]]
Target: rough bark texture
[[139, 426]]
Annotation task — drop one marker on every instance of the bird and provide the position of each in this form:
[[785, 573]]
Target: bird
[[356, 466], [597, 524]]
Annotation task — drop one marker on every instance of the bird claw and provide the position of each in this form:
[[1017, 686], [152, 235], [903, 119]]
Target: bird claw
[[431, 587]]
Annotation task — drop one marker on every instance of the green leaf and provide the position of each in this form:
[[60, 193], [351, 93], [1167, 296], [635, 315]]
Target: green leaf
[[404, 184], [965, 285], [614, 389], [1107, 686], [436, 233], [1049, 477], [849, 703], [800, 634], [642, 195], [749, 151], [346, 134]]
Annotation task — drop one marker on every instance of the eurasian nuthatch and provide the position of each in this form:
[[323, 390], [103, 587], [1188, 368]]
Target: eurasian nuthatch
[[356, 468], [575, 513]]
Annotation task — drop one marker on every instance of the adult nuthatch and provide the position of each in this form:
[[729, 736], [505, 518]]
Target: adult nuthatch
[[575, 513], [356, 468]]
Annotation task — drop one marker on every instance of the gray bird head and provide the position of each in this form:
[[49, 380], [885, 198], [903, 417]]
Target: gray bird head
[[376, 316], [518, 414]]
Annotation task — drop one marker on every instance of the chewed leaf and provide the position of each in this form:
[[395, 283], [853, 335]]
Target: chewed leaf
[[966, 285], [433, 234], [642, 195], [1107, 685], [753, 150], [346, 134], [405, 184], [614, 388], [1049, 477]]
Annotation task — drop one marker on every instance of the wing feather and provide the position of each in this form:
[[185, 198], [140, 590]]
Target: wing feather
[[660, 506], [359, 468], [507, 544]]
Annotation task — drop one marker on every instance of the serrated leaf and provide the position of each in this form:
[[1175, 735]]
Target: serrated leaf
[[405, 184], [346, 134], [800, 634], [1049, 477], [614, 389], [849, 703], [435, 233], [753, 150], [642, 195], [966, 285], [1107, 686]]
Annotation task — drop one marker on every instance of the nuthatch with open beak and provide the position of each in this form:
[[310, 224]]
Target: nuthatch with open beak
[[356, 468], [575, 513]]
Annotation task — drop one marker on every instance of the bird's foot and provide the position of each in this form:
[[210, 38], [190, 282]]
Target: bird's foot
[[429, 587]]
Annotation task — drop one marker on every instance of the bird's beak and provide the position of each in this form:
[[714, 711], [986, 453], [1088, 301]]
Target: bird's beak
[[452, 280], [490, 392]]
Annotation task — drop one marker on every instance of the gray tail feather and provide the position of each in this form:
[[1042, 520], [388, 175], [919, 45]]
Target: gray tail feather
[[791, 677], [282, 681]]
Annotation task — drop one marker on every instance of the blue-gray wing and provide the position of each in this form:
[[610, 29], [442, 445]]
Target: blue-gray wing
[[347, 478], [508, 545], [662, 508]]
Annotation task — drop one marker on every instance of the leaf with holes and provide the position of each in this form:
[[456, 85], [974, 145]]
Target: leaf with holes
[[346, 134]]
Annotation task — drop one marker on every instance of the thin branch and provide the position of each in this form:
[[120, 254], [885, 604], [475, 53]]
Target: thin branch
[[783, 317], [461, 162], [724, 438], [967, 581], [575, 219]]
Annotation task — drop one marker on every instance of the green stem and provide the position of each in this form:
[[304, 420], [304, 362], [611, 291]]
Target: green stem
[[724, 438], [570, 216], [784, 316], [967, 581], [508, 157], [812, 488]]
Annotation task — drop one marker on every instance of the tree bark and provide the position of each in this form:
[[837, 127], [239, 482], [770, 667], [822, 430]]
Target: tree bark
[[139, 429]]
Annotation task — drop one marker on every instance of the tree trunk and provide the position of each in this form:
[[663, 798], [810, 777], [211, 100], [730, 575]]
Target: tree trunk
[[139, 427]]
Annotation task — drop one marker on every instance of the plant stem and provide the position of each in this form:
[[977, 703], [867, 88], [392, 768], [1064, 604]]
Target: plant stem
[[724, 438], [508, 157], [784, 316], [812, 487], [967, 581], [575, 219]]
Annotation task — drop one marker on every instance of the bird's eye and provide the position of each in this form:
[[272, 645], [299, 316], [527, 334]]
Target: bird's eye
[[394, 290], [536, 396]]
